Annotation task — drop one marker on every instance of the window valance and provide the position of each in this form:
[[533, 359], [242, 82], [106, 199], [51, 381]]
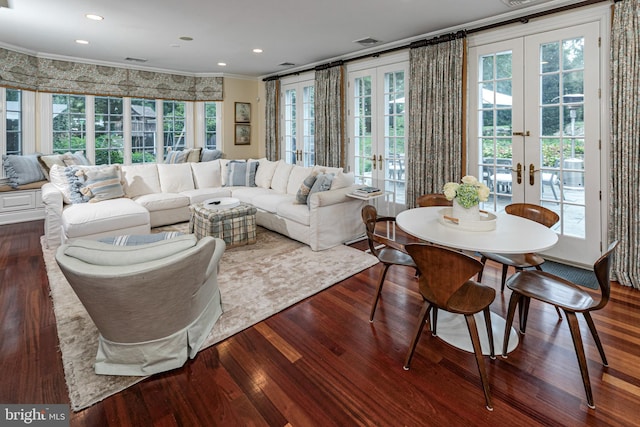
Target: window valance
[[22, 71]]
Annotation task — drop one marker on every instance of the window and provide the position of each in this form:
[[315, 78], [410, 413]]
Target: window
[[109, 139], [299, 123], [69, 123], [173, 119], [14, 121], [143, 130], [211, 125]]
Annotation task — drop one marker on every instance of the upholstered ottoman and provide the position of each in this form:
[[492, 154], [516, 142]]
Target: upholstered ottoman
[[236, 225]]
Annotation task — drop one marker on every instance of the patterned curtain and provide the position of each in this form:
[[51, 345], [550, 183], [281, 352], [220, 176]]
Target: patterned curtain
[[436, 111], [624, 207], [272, 88], [329, 116], [49, 75]]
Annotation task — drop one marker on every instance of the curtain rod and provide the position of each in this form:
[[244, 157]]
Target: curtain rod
[[446, 37]]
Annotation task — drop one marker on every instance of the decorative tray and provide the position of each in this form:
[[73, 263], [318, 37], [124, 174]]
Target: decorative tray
[[487, 221], [221, 203]]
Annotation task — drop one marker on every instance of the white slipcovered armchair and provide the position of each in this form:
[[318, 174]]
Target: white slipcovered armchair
[[153, 304]]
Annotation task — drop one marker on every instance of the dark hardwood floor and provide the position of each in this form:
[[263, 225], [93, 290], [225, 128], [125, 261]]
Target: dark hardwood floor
[[321, 362]]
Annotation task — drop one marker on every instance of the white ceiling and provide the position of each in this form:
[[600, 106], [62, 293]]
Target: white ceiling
[[302, 32]]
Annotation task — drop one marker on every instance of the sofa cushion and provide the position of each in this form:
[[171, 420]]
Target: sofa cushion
[[241, 172], [109, 215], [327, 169], [294, 212], [281, 176], [162, 201], [22, 169], [175, 178], [270, 202], [140, 179], [343, 180], [207, 175], [199, 195], [100, 253], [247, 194], [264, 174], [305, 188], [296, 178], [101, 182]]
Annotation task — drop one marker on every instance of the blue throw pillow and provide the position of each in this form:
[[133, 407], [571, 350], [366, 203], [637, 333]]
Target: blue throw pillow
[[22, 169], [176, 156], [323, 183], [241, 173], [210, 155], [303, 193]]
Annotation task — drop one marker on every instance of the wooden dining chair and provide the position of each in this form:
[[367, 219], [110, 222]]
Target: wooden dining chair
[[445, 283], [387, 251], [569, 297], [433, 199], [536, 213]]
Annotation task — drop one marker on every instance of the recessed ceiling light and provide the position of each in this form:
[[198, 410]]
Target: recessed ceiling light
[[257, 50], [186, 38], [222, 64], [82, 41], [94, 17], [174, 45], [367, 41]]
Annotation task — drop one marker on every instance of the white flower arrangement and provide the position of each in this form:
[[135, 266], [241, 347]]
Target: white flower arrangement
[[470, 193]]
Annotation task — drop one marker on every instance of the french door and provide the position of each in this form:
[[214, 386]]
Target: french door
[[534, 128], [377, 129], [299, 123]]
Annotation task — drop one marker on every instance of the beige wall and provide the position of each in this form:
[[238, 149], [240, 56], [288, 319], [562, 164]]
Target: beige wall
[[241, 90]]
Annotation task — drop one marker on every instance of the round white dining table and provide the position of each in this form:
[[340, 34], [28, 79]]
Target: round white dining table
[[513, 234]]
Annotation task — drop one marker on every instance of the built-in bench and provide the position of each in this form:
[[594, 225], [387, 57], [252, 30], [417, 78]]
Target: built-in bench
[[23, 203]]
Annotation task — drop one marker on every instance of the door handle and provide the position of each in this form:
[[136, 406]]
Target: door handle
[[373, 160], [380, 161], [518, 171], [532, 171], [527, 133]]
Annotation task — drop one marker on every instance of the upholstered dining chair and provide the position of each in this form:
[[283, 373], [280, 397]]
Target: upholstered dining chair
[[445, 283], [569, 297], [387, 251], [536, 213], [433, 199]]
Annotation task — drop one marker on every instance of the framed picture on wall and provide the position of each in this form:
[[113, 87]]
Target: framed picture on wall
[[243, 134], [243, 112]]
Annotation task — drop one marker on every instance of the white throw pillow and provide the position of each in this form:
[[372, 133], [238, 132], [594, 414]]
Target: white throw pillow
[[207, 174], [175, 178], [296, 178], [343, 180], [264, 174], [326, 169], [224, 171], [281, 177], [140, 179]]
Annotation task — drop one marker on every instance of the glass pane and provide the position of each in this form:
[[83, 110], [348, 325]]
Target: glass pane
[[573, 54], [503, 65], [573, 86], [550, 57], [550, 86], [487, 123], [550, 152], [550, 121], [486, 68], [487, 95]]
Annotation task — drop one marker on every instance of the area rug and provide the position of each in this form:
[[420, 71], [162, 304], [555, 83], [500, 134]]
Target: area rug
[[256, 281]]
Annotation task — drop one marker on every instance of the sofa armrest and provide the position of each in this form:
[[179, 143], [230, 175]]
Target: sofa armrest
[[331, 197], [53, 204]]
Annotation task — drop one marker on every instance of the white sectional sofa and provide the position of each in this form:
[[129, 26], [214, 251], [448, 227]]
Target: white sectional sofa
[[160, 194]]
